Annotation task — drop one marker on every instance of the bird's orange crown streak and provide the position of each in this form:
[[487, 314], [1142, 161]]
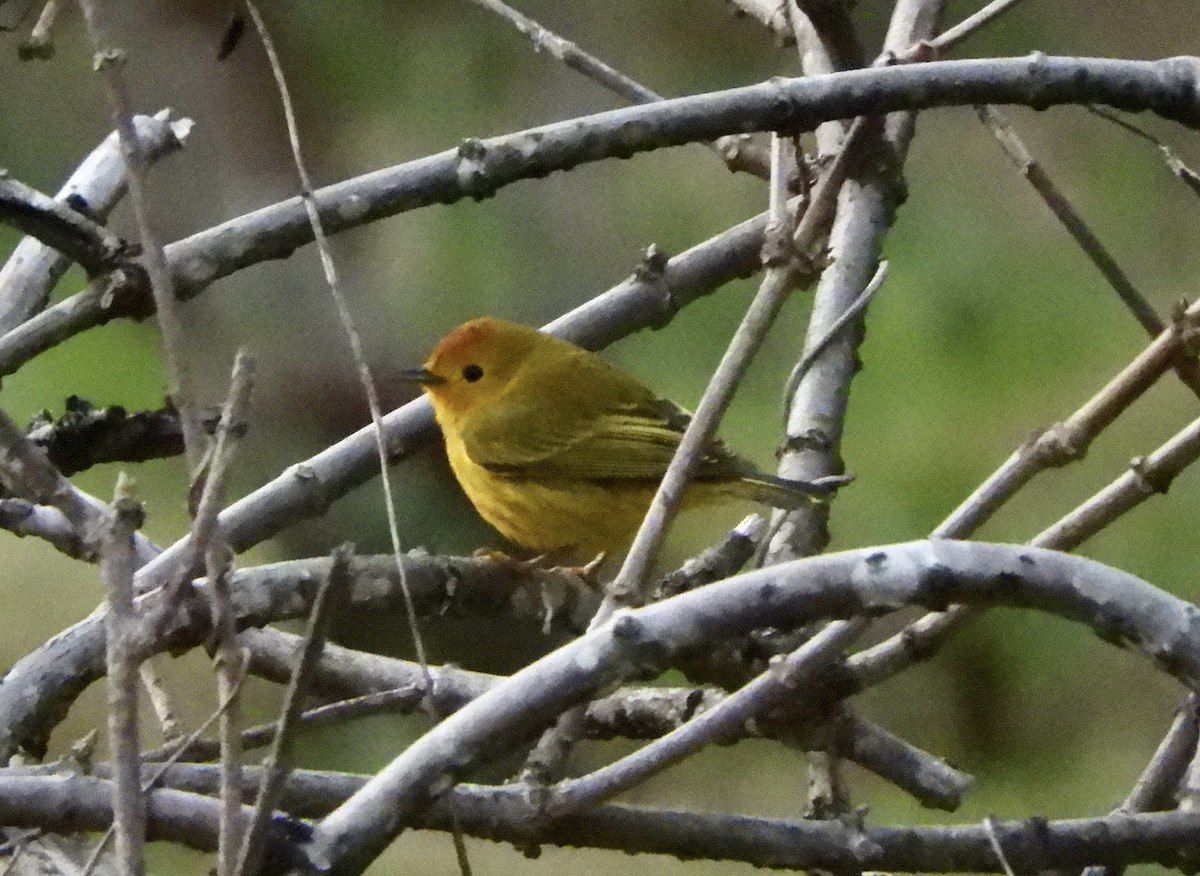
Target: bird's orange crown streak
[[558, 448]]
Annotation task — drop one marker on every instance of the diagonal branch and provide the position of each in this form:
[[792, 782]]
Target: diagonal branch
[[1068, 441], [774, 686], [60, 226], [1188, 369]]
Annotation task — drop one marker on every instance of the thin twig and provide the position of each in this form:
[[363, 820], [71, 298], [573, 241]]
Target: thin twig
[[208, 541], [630, 584], [460, 847], [278, 763], [108, 62], [989, 826], [1187, 369], [229, 661], [1176, 164], [348, 328], [396, 701], [925, 777], [737, 150], [213, 477], [1147, 476], [813, 353], [771, 13], [1068, 440], [162, 768], [570, 54], [118, 564], [956, 34], [1163, 773], [160, 699], [716, 562], [183, 745]]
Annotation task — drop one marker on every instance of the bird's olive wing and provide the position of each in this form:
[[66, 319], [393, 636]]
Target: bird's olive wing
[[593, 422]]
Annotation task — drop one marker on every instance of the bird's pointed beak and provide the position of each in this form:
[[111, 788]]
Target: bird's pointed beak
[[423, 376]]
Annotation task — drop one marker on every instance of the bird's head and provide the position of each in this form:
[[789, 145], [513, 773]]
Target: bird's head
[[474, 364]]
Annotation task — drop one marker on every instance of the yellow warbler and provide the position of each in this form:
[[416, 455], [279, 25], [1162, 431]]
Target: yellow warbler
[[558, 448]]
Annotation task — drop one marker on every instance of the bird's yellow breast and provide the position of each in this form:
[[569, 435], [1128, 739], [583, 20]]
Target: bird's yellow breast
[[552, 514]]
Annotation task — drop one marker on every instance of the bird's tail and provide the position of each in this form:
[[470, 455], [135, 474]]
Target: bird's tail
[[790, 494]]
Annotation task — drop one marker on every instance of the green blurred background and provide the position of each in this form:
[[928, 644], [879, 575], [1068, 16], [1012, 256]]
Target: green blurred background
[[991, 325]]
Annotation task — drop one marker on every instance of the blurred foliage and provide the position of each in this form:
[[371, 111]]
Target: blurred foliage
[[991, 325]]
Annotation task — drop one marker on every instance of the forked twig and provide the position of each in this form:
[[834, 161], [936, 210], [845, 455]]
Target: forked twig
[[1147, 476], [1069, 440]]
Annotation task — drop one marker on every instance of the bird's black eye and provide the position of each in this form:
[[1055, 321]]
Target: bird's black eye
[[471, 373]]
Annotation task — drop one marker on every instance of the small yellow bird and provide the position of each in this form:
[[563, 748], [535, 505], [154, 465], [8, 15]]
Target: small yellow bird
[[558, 448]]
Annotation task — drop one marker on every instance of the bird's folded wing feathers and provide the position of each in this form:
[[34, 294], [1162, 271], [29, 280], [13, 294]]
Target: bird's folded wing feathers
[[624, 432], [615, 447]]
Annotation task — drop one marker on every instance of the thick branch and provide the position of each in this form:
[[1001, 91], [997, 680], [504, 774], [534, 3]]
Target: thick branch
[[77, 803], [478, 168], [930, 573], [39, 688]]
